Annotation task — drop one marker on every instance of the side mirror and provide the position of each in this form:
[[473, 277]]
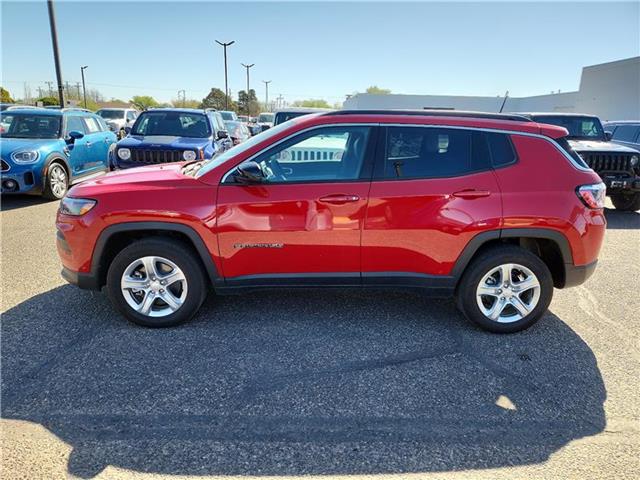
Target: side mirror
[[608, 135], [127, 130], [248, 173], [74, 135], [222, 134]]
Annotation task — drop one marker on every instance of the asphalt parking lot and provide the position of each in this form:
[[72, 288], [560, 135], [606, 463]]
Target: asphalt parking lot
[[382, 384]]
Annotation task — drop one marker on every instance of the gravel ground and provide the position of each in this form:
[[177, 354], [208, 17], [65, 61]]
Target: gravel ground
[[281, 384]]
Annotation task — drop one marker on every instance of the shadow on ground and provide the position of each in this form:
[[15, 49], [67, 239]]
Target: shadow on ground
[[297, 383], [617, 220], [11, 202]]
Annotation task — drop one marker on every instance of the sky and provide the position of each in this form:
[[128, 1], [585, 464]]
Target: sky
[[317, 49]]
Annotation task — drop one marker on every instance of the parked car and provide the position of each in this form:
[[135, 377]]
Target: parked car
[[228, 115], [265, 121], [494, 209], [626, 132], [617, 165], [286, 114], [118, 119], [165, 135], [243, 118], [45, 151], [238, 131]]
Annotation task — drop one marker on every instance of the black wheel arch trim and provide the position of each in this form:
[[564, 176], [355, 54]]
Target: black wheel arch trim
[[479, 240], [194, 237]]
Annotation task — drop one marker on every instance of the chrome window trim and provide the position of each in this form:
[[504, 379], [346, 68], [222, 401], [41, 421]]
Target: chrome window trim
[[575, 164], [282, 140]]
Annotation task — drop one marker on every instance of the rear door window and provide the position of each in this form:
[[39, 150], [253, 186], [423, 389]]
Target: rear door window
[[427, 152]]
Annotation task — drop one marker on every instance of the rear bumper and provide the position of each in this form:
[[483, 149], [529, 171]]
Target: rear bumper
[[86, 281], [578, 274]]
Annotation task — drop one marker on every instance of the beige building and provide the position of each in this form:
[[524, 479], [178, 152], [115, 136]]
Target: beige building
[[609, 90]]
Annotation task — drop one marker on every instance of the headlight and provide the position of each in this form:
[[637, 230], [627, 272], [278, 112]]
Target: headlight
[[124, 153], [189, 155], [634, 160], [25, 156], [76, 206]]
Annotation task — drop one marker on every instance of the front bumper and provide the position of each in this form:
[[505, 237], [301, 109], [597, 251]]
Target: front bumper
[[86, 281], [26, 179], [621, 183]]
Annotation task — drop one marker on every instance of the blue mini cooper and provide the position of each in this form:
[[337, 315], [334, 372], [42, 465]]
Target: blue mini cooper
[[44, 151], [164, 135]]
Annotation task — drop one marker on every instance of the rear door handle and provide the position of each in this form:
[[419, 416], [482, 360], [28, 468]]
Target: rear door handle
[[340, 199], [470, 194]]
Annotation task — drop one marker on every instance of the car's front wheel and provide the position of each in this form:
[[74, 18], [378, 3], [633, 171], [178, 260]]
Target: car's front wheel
[[56, 182], [156, 283], [506, 289], [626, 202]]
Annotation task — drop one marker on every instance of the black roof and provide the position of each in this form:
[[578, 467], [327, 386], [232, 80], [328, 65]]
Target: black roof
[[436, 113]]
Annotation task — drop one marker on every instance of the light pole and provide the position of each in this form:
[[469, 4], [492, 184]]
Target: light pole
[[266, 94], [226, 83], [56, 54], [248, 67], [84, 89]]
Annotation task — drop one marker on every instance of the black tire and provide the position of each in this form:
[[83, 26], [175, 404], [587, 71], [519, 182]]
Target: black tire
[[178, 253], [626, 202], [484, 263], [52, 189]]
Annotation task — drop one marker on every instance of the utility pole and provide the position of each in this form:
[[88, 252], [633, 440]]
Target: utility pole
[[56, 54], [266, 94], [49, 89], [184, 97], [226, 81], [280, 101], [248, 103], [78, 88], [84, 89]]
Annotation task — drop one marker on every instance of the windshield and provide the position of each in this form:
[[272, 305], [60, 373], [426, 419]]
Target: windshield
[[265, 118], [173, 124], [585, 128], [22, 125], [228, 115], [239, 149], [111, 114]]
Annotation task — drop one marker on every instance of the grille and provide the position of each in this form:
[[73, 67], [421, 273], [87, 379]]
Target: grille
[[4, 167], [156, 156], [600, 162]]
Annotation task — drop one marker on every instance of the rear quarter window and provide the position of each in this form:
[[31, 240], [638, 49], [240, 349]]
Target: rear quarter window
[[564, 144], [502, 150]]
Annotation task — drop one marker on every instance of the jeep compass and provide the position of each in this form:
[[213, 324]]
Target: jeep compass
[[496, 210]]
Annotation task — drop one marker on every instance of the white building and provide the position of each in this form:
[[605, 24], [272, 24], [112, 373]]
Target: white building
[[609, 90]]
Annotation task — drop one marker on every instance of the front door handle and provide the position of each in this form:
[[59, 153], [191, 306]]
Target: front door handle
[[340, 199], [88, 144], [471, 193]]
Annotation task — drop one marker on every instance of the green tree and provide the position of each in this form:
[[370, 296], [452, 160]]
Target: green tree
[[216, 99], [311, 103], [248, 101], [48, 101], [6, 96], [144, 102], [378, 91], [188, 103]]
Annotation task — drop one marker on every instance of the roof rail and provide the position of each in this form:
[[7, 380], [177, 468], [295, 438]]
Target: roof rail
[[75, 109], [435, 113]]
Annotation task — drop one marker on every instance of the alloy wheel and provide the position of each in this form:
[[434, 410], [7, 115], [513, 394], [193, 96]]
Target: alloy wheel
[[58, 180], [508, 293], [154, 286]]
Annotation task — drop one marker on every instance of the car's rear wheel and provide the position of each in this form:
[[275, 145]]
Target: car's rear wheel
[[506, 289], [56, 182], [626, 202], [156, 283]]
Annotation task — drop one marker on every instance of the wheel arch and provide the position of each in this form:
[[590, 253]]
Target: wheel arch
[[55, 158], [550, 245], [115, 237]]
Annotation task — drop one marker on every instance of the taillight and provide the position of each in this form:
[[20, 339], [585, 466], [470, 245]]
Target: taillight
[[592, 195]]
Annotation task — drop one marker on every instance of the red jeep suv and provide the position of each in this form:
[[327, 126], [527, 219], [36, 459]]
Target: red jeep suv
[[494, 209]]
